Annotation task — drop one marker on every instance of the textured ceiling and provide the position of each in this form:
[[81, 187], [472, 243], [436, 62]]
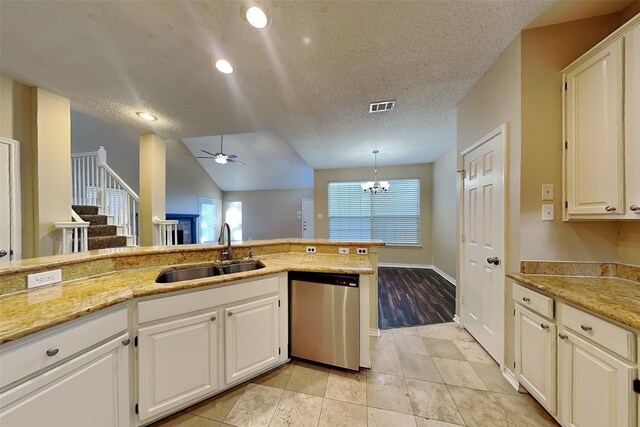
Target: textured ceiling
[[307, 78]]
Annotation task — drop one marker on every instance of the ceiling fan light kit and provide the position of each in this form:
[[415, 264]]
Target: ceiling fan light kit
[[220, 157], [375, 186]]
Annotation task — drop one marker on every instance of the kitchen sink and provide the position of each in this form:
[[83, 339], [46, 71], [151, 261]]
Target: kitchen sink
[[192, 273]]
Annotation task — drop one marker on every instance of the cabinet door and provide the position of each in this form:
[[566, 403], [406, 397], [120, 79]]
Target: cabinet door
[[536, 356], [593, 130], [91, 389], [251, 338], [177, 362], [632, 121], [595, 387]]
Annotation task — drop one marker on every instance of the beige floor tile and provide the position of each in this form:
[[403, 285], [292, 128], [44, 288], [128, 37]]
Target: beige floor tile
[[423, 422], [311, 365], [182, 419], [434, 331], [432, 400], [277, 378], [309, 379], [456, 333], [479, 408], [342, 414], [384, 342], [411, 344], [473, 352], [255, 407], [297, 409], [420, 367], [388, 392], [458, 373], [347, 387], [218, 407], [406, 331], [383, 418], [385, 362], [442, 348], [492, 377], [524, 411]]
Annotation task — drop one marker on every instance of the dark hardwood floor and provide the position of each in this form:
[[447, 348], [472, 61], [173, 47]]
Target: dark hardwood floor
[[413, 296]]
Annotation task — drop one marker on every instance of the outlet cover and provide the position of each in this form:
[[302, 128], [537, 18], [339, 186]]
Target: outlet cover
[[343, 251], [362, 251], [311, 249], [547, 212], [547, 191], [44, 278]]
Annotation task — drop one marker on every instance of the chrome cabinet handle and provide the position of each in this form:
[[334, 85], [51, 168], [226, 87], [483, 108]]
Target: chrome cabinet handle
[[543, 326], [52, 352], [563, 336], [213, 318], [586, 328], [610, 208], [126, 342], [634, 208], [526, 299], [3, 253], [230, 314]]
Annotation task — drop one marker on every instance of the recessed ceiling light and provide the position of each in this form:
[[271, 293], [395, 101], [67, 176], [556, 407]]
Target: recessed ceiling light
[[223, 66], [256, 17], [147, 116]]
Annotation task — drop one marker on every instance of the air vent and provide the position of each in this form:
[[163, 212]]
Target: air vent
[[378, 107]]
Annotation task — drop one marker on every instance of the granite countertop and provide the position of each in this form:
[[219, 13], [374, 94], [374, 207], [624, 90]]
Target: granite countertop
[[26, 312], [610, 297]]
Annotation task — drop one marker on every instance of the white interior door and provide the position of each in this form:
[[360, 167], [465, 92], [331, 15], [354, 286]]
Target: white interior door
[[483, 242], [307, 219], [9, 201]]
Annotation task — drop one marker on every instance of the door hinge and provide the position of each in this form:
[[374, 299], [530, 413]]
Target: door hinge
[[279, 350], [566, 204], [278, 303], [464, 173], [514, 364], [136, 408], [566, 86], [135, 342], [636, 385], [463, 238], [566, 145], [514, 311]]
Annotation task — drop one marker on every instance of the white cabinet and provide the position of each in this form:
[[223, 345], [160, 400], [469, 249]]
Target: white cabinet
[[177, 362], [601, 136], [594, 387], [251, 338], [536, 356]]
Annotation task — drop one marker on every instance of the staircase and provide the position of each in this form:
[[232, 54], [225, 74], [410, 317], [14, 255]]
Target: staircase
[[101, 235]]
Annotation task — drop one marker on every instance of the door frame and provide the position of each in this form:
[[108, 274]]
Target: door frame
[[15, 232], [504, 130]]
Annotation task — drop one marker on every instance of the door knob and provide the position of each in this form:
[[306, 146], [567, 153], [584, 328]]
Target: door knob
[[493, 260], [3, 253]]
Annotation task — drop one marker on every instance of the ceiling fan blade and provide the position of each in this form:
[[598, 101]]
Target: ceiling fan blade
[[202, 157], [205, 151], [232, 156], [237, 162]]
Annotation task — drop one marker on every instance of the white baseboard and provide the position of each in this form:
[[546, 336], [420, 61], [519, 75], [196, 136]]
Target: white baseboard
[[511, 378], [456, 319], [443, 274], [374, 332], [423, 266]]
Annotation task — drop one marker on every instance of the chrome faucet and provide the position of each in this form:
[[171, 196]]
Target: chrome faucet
[[229, 252]]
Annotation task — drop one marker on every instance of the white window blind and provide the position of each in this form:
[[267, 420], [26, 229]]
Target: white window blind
[[393, 217]]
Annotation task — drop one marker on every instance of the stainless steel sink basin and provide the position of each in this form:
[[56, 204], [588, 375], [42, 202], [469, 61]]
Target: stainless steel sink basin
[[192, 273]]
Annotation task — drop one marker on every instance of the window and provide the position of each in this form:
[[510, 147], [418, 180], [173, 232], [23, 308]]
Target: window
[[233, 217], [208, 220], [393, 217]]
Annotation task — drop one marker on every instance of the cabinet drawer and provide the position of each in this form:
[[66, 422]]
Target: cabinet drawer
[[608, 335], [534, 301], [32, 356]]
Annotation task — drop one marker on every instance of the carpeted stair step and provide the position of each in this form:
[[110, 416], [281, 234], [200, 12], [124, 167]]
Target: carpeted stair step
[[95, 219], [104, 242], [102, 230], [85, 210]]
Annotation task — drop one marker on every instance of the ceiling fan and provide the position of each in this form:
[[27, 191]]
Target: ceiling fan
[[220, 157]]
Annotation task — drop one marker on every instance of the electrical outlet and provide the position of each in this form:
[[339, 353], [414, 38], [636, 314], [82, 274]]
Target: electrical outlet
[[362, 251], [547, 212], [44, 278], [311, 249], [343, 251]]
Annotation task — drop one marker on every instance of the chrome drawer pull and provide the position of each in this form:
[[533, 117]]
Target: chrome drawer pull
[[563, 336], [526, 299], [126, 342], [52, 352], [230, 314], [586, 328], [610, 208], [634, 208], [543, 326], [213, 318]]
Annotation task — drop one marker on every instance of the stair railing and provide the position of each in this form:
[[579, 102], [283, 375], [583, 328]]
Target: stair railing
[[166, 232], [74, 234], [94, 183]]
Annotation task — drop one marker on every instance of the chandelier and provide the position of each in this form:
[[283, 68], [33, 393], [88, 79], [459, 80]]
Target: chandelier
[[375, 186]]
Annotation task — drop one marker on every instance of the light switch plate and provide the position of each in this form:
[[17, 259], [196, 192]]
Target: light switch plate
[[547, 212], [44, 278], [547, 191], [320, 216]]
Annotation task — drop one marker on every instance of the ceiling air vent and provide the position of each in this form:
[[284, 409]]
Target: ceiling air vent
[[378, 107]]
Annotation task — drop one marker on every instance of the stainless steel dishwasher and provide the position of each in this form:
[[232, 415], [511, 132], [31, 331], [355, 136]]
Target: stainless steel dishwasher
[[324, 314]]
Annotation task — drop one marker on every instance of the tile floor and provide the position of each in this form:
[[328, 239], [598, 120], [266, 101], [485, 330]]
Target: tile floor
[[424, 376]]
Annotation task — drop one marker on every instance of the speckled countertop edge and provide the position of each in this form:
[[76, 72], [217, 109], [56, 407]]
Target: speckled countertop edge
[[610, 297], [26, 312]]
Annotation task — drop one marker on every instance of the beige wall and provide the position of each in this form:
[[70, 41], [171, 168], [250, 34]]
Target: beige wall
[[545, 52], [445, 200], [629, 243], [395, 255], [270, 214]]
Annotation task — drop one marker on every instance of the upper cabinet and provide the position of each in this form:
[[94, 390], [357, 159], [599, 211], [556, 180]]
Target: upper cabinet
[[601, 104]]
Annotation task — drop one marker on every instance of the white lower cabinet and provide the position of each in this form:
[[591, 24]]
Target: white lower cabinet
[[90, 389], [251, 338], [536, 356], [177, 362]]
